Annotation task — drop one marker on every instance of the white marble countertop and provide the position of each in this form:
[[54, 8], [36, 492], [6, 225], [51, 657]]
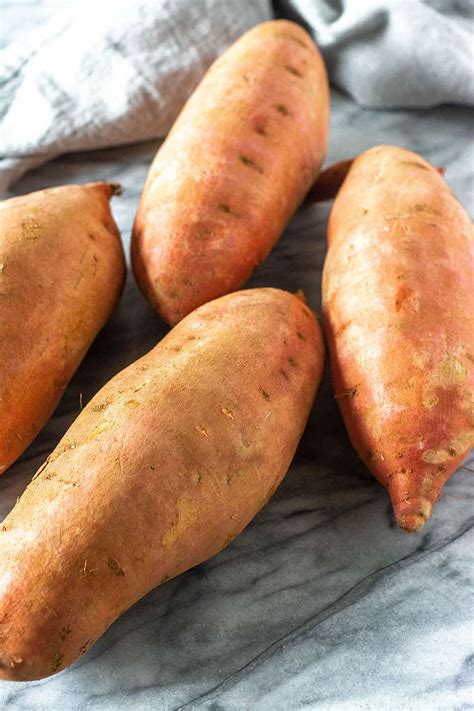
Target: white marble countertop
[[322, 603]]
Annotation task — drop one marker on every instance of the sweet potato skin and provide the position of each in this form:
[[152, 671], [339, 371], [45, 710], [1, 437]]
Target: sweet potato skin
[[162, 469], [61, 272], [238, 161], [398, 312]]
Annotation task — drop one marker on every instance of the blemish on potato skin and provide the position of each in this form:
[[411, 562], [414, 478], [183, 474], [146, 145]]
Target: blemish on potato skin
[[250, 163], [292, 70], [186, 516], [402, 295], [116, 567], [100, 407], [448, 373], [100, 429], [228, 413], [350, 393], [83, 648], [292, 362], [284, 374], [264, 394], [301, 336], [224, 207], [57, 662], [64, 632], [201, 430], [15, 661], [282, 109], [434, 456]]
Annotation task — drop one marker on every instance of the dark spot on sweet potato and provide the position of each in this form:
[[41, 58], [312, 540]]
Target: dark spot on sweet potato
[[264, 394], [292, 362], [64, 632], [451, 451], [301, 336], [292, 70], [116, 567], [401, 296], [68, 482], [58, 660], [224, 207], [350, 393], [83, 648], [152, 466], [283, 373], [282, 109], [250, 163], [440, 468], [260, 128], [100, 407]]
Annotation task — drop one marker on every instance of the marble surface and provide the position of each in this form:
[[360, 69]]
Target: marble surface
[[321, 603]]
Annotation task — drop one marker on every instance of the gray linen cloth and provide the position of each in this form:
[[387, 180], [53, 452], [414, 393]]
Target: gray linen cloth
[[109, 73]]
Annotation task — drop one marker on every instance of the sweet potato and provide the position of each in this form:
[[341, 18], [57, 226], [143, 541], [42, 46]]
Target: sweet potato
[[398, 296], [61, 272], [167, 463], [238, 161], [330, 180]]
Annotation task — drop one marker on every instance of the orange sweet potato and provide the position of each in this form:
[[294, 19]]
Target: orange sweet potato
[[398, 294], [162, 469], [235, 166], [61, 272]]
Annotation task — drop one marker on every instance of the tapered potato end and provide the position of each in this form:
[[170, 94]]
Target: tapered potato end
[[412, 508]]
